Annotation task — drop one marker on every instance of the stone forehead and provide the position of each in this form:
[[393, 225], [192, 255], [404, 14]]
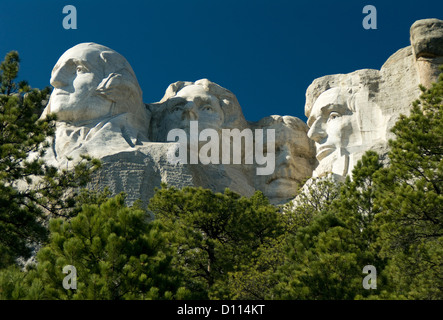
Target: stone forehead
[[232, 111], [338, 95], [193, 89], [85, 51], [205, 84], [353, 81], [92, 52]]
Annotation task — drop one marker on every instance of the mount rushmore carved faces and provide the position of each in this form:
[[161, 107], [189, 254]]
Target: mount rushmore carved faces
[[100, 112], [97, 99]]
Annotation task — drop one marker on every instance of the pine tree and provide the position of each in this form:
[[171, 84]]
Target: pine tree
[[256, 279], [388, 217], [325, 258], [30, 190], [213, 233], [412, 219], [117, 252]]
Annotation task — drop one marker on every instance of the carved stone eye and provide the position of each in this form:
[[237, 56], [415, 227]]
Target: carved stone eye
[[333, 115], [177, 108], [207, 108]]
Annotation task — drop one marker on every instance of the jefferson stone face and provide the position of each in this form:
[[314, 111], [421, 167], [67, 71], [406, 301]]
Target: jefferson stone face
[[193, 103], [204, 101]]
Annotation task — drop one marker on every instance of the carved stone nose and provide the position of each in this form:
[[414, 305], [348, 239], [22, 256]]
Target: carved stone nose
[[316, 132], [57, 80], [189, 112]]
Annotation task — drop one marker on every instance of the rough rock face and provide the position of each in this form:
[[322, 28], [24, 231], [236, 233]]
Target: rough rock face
[[101, 112], [427, 47]]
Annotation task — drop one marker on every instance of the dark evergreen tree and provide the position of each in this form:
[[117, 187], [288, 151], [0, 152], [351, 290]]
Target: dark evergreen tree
[[212, 245], [117, 252], [325, 259], [412, 201], [256, 279], [213, 233], [30, 190]]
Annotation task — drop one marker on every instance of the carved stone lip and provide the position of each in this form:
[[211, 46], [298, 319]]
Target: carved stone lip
[[324, 151], [61, 92], [285, 179], [282, 177]]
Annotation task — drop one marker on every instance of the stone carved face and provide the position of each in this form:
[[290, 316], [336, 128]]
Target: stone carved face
[[294, 153], [193, 103], [75, 79], [204, 101], [93, 82], [333, 123]]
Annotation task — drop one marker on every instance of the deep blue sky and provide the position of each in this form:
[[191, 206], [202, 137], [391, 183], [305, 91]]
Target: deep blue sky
[[266, 51]]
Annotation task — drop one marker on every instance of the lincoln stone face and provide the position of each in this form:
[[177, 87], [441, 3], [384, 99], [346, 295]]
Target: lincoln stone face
[[333, 124]]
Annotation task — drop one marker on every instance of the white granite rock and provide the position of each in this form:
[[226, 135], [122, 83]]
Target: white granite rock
[[217, 108], [204, 101], [101, 113], [345, 120]]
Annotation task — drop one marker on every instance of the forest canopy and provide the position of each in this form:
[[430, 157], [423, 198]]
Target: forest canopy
[[207, 245]]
